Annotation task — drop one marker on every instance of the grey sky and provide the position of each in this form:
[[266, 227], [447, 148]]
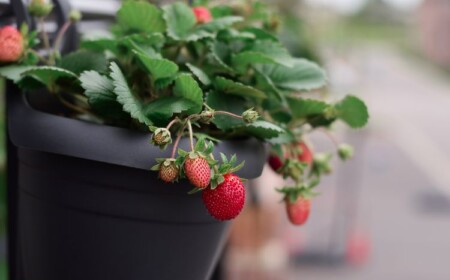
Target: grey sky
[[352, 5]]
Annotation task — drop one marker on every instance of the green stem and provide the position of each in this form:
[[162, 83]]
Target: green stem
[[44, 35], [331, 137], [41, 58], [228, 114], [172, 123], [59, 37], [191, 134], [177, 141]]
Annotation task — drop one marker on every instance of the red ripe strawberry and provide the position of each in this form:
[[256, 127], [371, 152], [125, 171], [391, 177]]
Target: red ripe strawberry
[[358, 248], [202, 14], [298, 211], [11, 44], [168, 171], [306, 156], [275, 162], [227, 200], [198, 172]]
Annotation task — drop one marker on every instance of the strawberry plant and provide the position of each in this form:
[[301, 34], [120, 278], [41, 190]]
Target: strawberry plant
[[210, 73]]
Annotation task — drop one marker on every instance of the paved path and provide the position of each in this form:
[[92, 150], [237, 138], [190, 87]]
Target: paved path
[[396, 191], [406, 167]]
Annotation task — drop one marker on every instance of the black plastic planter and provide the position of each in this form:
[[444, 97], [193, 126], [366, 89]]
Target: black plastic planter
[[90, 209]]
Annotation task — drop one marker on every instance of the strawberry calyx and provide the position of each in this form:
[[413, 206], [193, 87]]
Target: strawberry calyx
[[293, 193], [226, 167], [321, 164]]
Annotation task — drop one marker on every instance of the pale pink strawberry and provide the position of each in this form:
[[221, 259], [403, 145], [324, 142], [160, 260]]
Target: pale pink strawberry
[[202, 14], [198, 172], [11, 44]]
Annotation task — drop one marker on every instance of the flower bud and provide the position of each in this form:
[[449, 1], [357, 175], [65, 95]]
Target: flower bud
[[250, 116], [161, 137], [322, 163], [40, 8], [345, 151], [74, 16], [207, 116]]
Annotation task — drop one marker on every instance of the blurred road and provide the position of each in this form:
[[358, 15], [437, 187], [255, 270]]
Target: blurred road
[[405, 200], [393, 197]]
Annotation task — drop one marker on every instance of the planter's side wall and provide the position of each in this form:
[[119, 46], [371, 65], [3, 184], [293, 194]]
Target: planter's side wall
[[78, 220]]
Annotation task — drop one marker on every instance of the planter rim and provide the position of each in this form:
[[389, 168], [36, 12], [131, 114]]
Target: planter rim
[[31, 129]]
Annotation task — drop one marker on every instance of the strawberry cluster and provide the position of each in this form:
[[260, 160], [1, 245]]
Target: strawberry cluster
[[297, 162], [223, 192]]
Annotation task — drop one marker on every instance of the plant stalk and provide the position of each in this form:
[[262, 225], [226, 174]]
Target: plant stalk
[[44, 35], [59, 37], [191, 134], [228, 114]]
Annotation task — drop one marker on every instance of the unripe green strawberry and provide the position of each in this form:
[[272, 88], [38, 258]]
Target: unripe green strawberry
[[168, 171], [11, 44], [197, 170], [226, 201]]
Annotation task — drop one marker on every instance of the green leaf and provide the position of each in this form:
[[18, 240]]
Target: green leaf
[[219, 24], [261, 34], [197, 34], [219, 11], [136, 16], [158, 68], [81, 61], [217, 53], [273, 50], [302, 108], [180, 20], [100, 45], [14, 72], [148, 44], [266, 85], [264, 129], [164, 83], [353, 111], [303, 75], [100, 92], [125, 97], [229, 103], [49, 75], [285, 137], [236, 88], [242, 60], [201, 76], [162, 109], [188, 88]]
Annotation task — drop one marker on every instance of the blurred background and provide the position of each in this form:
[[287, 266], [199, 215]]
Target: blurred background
[[386, 213]]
